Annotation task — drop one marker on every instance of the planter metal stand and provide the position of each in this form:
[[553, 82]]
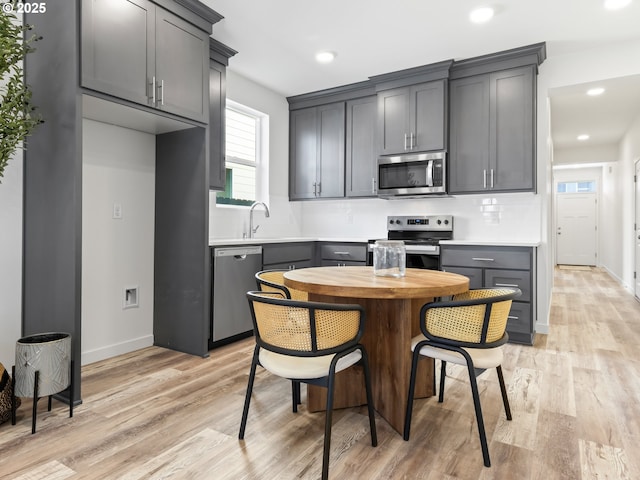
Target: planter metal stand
[[43, 368]]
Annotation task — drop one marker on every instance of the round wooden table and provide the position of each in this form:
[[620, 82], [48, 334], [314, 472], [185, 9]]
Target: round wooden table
[[392, 307]]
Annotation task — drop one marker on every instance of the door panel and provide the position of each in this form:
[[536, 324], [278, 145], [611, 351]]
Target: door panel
[[576, 229], [637, 231]]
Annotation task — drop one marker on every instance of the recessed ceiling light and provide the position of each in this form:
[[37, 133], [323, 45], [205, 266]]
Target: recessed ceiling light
[[481, 14], [616, 4], [583, 137], [325, 57], [595, 91]]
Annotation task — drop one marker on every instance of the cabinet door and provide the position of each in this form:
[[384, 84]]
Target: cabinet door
[[302, 153], [117, 36], [474, 274], [427, 113], [393, 121], [182, 67], [361, 162], [512, 130], [469, 134], [217, 95], [330, 173]]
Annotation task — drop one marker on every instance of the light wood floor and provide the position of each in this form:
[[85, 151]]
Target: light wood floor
[[159, 414]]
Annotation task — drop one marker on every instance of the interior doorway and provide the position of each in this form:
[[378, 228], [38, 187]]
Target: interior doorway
[[576, 223]]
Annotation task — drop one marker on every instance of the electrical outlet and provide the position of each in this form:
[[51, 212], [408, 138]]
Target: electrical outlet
[[117, 211]]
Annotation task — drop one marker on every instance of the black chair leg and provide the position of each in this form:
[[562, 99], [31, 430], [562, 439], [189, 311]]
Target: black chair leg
[[443, 375], [49, 403], [412, 388], [478, 409], [34, 411], [503, 389], [295, 394], [367, 386], [247, 398], [327, 426], [71, 392]]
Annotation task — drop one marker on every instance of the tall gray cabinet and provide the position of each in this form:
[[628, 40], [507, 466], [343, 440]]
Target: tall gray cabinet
[[492, 122], [86, 54]]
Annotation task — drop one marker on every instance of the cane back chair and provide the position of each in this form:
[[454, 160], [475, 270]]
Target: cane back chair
[[308, 342], [469, 330], [273, 280]]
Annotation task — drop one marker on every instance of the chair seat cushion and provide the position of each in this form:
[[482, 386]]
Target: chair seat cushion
[[288, 366], [482, 357]]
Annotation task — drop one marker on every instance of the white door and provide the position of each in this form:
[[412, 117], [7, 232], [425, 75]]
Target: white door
[[637, 230], [576, 229]]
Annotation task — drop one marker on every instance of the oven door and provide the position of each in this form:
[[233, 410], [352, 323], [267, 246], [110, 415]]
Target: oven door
[[426, 257]]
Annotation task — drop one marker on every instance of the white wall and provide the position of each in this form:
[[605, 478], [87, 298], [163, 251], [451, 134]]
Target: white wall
[[10, 259], [595, 154], [118, 168], [231, 222]]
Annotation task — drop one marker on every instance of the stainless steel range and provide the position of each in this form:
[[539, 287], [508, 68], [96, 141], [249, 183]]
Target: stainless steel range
[[421, 236]]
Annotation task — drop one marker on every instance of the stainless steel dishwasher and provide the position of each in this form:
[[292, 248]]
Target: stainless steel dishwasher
[[234, 270]]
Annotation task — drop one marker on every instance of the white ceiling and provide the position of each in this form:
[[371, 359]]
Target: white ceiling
[[277, 41]]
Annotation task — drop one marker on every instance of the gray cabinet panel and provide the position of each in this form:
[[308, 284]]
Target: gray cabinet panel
[[486, 257], [469, 134], [428, 115], [512, 128], [117, 36], [492, 119], [511, 279], [316, 152], [137, 51], [331, 155], [495, 266], [361, 162], [182, 67], [286, 253], [217, 104], [344, 252], [412, 118], [303, 152]]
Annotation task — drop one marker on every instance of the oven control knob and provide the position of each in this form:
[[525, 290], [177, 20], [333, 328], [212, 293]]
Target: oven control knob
[[398, 222], [439, 222], [391, 222], [446, 222]]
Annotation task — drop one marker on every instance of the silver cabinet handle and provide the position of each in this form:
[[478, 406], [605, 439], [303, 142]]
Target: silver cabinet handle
[[480, 259], [319, 189], [373, 185], [315, 189], [513, 285], [341, 253], [510, 317], [492, 178], [412, 143], [161, 88], [405, 141], [484, 178], [153, 90]]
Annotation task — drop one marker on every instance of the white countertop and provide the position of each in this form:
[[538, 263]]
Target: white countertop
[[214, 242], [488, 243]]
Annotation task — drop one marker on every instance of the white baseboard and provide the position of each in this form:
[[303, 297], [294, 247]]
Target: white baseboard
[[542, 328], [102, 353]]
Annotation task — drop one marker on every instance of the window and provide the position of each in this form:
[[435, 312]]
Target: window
[[245, 155], [577, 187]]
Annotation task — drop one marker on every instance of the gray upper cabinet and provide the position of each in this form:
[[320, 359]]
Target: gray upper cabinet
[[317, 165], [137, 51], [492, 131], [360, 159], [413, 118]]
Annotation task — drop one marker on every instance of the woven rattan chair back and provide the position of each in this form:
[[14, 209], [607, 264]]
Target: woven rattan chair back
[[304, 328], [474, 317], [273, 280]]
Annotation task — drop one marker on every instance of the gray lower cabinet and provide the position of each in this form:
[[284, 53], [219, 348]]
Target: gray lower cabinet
[[412, 119], [138, 51], [499, 266], [287, 256], [492, 132], [342, 254], [316, 152], [361, 161]]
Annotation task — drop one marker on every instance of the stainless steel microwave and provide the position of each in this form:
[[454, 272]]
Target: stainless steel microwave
[[413, 174]]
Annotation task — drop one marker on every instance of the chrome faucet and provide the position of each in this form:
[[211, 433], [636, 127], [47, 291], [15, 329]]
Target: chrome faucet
[[252, 230]]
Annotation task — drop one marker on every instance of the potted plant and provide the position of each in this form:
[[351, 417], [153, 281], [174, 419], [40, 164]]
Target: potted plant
[[17, 118]]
